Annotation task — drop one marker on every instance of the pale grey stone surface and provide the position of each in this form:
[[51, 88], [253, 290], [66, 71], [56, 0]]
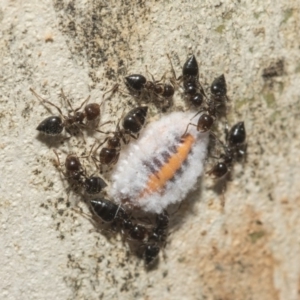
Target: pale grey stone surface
[[249, 250]]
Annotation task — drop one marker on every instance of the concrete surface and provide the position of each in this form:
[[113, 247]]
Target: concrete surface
[[249, 250]]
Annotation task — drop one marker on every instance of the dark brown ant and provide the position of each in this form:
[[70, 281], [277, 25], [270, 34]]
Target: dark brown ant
[[192, 86], [212, 107], [76, 173], [206, 119], [138, 83], [234, 149], [156, 238], [152, 240], [132, 125], [54, 125], [74, 170], [190, 76]]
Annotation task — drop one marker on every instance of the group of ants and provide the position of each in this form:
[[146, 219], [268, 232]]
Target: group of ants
[[210, 108]]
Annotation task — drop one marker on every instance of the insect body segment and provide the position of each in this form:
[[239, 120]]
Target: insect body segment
[[158, 180], [138, 83], [132, 124], [161, 167], [234, 149], [54, 125], [77, 175]]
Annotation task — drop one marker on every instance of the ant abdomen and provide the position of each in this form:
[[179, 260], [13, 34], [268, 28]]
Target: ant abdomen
[[151, 252], [190, 67], [104, 209], [135, 82], [218, 87], [135, 119], [52, 126], [94, 185], [237, 134]]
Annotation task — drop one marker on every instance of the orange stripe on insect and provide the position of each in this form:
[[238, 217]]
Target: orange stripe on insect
[[159, 179]]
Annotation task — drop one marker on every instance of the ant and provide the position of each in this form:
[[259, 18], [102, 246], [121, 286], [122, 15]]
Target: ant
[[156, 238], [192, 86], [132, 125], [210, 111], [74, 172], [234, 149], [138, 82], [190, 77], [54, 125], [110, 212], [206, 119]]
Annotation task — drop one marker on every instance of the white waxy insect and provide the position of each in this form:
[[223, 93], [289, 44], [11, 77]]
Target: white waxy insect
[[162, 166]]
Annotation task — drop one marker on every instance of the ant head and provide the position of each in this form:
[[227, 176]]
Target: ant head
[[219, 170], [205, 122], [92, 111], [138, 232], [72, 163]]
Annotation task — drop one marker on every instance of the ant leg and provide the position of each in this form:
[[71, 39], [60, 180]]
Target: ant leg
[[218, 140], [172, 68], [202, 90], [107, 122], [187, 128], [84, 102], [91, 151], [69, 103], [86, 216], [113, 90], [199, 112], [95, 161], [133, 136], [46, 101], [57, 163]]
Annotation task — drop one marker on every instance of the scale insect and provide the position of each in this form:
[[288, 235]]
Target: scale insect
[[162, 166]]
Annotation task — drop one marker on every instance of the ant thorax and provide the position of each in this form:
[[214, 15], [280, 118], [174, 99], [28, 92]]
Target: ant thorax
[[162, 166]]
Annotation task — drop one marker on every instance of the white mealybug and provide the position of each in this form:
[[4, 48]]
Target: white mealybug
[[162, 166]]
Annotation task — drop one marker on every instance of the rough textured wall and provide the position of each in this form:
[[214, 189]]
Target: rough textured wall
[[248, 250]]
